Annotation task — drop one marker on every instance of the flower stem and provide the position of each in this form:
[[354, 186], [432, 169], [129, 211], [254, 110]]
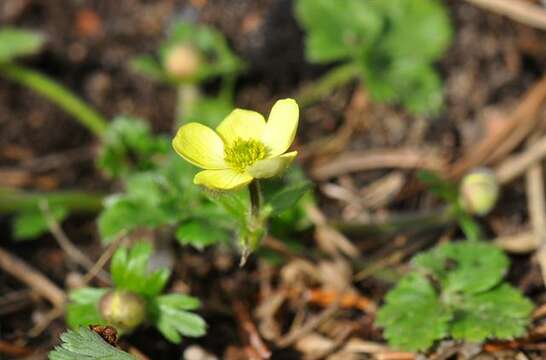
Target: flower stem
[[255, 200], [58, 94], [335, 78], [12, 200]]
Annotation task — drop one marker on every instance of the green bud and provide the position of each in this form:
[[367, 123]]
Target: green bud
[[479, 192], [182, 62], [123, 309]]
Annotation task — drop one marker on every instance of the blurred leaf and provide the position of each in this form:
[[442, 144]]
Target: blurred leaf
[[469, 267], [83, 308], [128, 145], [129, 270], [413, 316], [288, 196], [209, 111], [381, 37], [444, 189], [200, 234], [17, 42], [82, 344], [32, 223], [174, 321]]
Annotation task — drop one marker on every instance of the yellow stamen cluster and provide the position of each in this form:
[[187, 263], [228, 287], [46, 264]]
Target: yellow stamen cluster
[[243, 153]]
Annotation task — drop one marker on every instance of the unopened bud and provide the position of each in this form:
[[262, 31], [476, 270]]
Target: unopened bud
[[479, 191], [123, 309], [182, 62]]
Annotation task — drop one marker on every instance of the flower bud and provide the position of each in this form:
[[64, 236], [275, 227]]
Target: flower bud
[[123, 309], [478, 192], [182, 61]]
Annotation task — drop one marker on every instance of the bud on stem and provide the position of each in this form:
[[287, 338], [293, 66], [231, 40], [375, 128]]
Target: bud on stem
[[123, 309]]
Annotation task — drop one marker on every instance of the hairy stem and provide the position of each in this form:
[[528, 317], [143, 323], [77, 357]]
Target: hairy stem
[[335, 78], [56, 93], [255, 200]]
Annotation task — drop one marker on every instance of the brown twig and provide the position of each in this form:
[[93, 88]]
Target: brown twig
[[32, 277], [103, 259], [537, 212], [249, 329], [13, 351], [521, 11], [505, 140], [516, 165], [378, 159], [68, 247], [346, 300]]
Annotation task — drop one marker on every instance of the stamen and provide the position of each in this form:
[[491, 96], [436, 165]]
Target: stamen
[[243, 153]]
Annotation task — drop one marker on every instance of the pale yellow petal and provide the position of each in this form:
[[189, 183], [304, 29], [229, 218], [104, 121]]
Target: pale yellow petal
[[271, 167], [200, 146], [222, 179], [281, 127], [244, 124]]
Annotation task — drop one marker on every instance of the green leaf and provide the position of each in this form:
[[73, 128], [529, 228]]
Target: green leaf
[[288, 196], [129, 270], [17, 42], [501, 313], [413, 316], [32, 223], [128, 145], [200, 234], [209, 111], [337, 29], [468, 267], [82, 344], [172, 319], [83, 308]]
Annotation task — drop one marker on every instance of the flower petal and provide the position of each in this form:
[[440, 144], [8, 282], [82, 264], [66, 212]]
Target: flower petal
[[222, 179], [240, 123], [281, 127], [271, 167], [200, 146]]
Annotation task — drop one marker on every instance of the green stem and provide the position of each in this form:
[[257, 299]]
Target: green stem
[[13, 200], [255, 201], [335, 78], [58, 94], [186, 97]]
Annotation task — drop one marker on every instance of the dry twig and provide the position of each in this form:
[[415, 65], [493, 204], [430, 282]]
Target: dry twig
[[521, 11], [103, 260], [32, 277]]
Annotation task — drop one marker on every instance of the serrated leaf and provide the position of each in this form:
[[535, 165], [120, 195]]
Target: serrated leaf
[[501, 313], [130, 272], [200, 234], [413, 316], [128, 145], [32, 223], [18, 42], [83, 308], [288, 196], [82, 344], [469, 267], [174, 321]]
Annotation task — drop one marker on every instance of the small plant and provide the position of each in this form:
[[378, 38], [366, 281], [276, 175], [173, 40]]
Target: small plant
[[135, 299], [454, 290], [390, 45], [84, 343], [477, 194]]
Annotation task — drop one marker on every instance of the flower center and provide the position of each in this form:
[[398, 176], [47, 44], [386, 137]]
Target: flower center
[[243, 153]]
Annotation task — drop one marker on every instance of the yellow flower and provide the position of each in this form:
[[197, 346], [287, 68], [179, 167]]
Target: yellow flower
[[244, 146]]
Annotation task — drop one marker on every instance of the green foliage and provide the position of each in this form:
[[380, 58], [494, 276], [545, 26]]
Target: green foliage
[[128, 145], [394, 43], [17, 42], [83, 309], [82, 344], [172, 318], [132, 279], [32, 222], [129, 270], [455, 289], [217, 57], [200, 234]]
